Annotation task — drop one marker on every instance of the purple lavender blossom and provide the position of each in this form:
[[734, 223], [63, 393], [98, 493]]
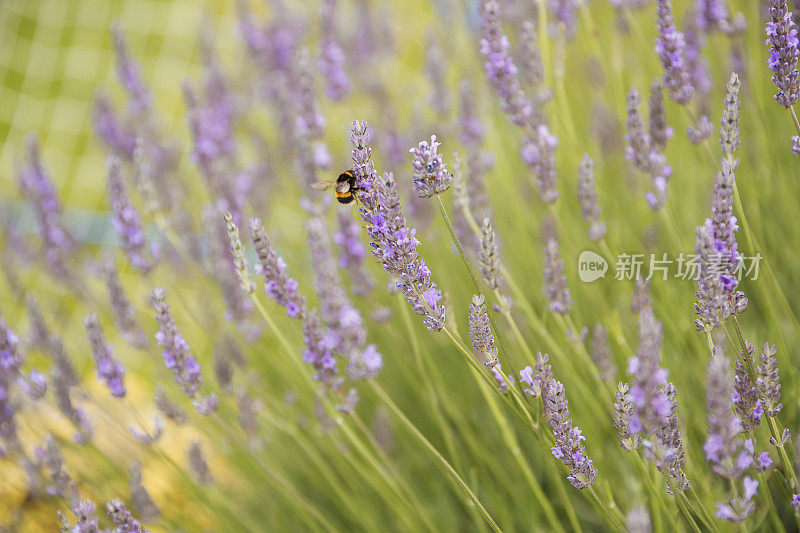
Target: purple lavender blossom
[[710, 14], [500, 66], [86, 520], [724, 447], [318, 352], [623, 412], [10, 362], [564, 11], [783, 52], [568, 447], [111, 130], [393, 243], [126, 221], [796, 146], [538, 378], [638, 149], [430, 173], [121, 307], [587, 196], [703, 131], [108, 368], [332, 58], [130, 75], [480, 333], [352, 254], [211, 122], [670, 47], [540, 154], [123, 518], [555, 281], [654, 400], [344, 322], [642, 152], [39, 189], [744, 393], [737, 509], [35, 386], [175, 351], [279, 286]]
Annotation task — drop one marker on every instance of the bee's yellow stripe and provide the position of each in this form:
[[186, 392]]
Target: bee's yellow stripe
[[347, 194]]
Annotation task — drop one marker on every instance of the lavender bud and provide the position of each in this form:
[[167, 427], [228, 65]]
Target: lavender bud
[[641, 296], [783, 52], [121, 308], [393, 243], [744, 394], [768, 381], [670, 47], [723, 448], [587, 195], [702, 132], [239, 260], [186, 369], [10, 362], [109, 129], [568, 447], [638, 149], [129, 74], [499, 65], [430, 173], [108, 368], [490, 256], [123, 518], [480, 333], [623, 411], [540, 154], [125, 219], [279, 286], [537, 378], [35, 386], [555, 281], [796, 146]]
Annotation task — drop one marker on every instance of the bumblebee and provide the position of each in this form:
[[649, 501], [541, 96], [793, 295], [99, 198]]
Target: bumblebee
[[346, 188]]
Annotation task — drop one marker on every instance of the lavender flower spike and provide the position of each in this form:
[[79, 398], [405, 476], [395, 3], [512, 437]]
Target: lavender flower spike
[[568, 447], [490, 256], [555, 281], [768, 382], [744, 393], [10, 362], [638, 149], [430, 173], [331, 56], [587, 195], [783, 52], [109, 369], [479, 332], [393, 243], [279, 286], [237, 251], [123, 518], [500, 67], [126, 220], [352, 254], [670, 47], [175, 348]]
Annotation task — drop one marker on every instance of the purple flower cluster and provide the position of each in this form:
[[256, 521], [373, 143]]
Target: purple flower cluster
[[670, 47], [568, 446], [430, 173], [175, 349], [10, 362], [623, 412], [653, 400], [38, 188], [564, 11], [480, 333], [783, 52], [279, 286], [539, 153], [123, 518], [537, 378], [346, 333], [710, 14], [108, 368], [126, 220], [744, 394], [500, 67], [717, 294], [768, 381], [643, 147], [393, 243], [331, 56]]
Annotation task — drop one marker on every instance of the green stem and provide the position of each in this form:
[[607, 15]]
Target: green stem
[[378, 390]]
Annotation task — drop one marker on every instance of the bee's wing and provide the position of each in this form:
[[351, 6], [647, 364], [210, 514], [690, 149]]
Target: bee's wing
[[323, 185]]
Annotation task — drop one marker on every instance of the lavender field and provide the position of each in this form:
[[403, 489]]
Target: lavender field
[[411, 265]]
